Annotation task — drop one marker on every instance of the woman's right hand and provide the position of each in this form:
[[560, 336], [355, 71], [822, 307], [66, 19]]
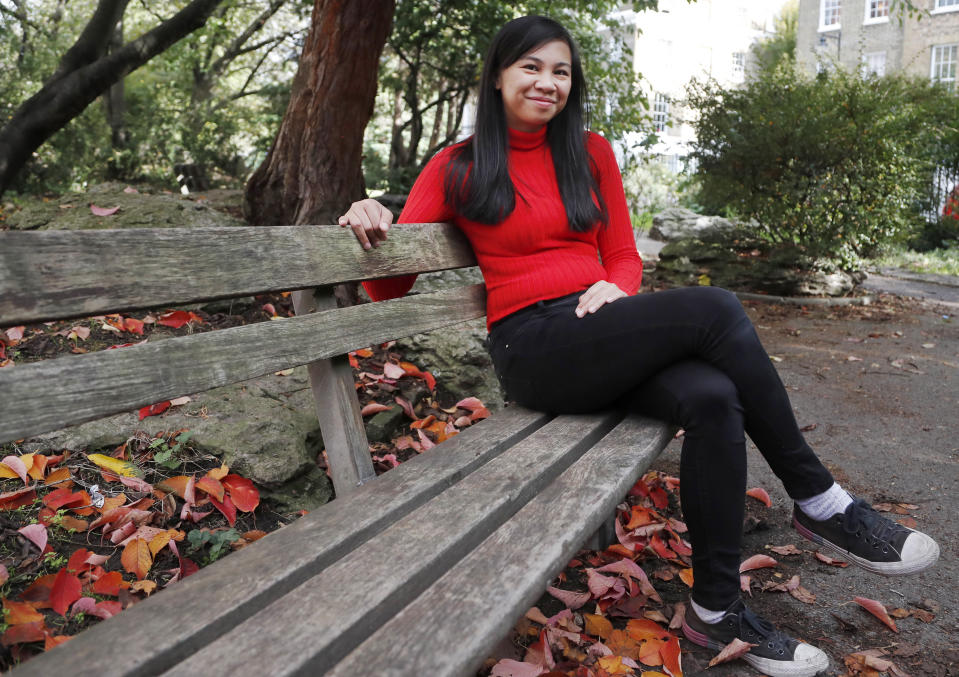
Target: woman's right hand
[[369, 221]]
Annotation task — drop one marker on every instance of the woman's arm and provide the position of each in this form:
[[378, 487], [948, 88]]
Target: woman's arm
[[370, 221], [616, 242]]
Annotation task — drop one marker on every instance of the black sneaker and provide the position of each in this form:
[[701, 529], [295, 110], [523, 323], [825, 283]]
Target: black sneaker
[[867, 539], [776, 654]]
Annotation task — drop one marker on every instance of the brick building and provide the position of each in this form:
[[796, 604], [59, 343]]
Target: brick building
[[873, 36]]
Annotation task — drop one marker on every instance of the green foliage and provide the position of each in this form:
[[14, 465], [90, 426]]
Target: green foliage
[[209, 100], [834, 164], [940, 261], [166, 452], [781, 46], [218, 542]]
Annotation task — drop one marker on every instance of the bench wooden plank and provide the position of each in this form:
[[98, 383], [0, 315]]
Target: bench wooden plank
[[145, 639], [49, 395], [317, 623], [63, 274], [449, 630], [337, 406]]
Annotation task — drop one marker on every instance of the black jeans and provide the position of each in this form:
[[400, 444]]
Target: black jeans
[[688, 356]]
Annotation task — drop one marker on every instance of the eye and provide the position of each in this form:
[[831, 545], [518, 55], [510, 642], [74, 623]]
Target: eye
[[562, 72], [530, 66]]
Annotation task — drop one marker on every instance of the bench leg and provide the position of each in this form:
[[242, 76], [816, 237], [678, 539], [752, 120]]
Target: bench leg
[[605, 536]]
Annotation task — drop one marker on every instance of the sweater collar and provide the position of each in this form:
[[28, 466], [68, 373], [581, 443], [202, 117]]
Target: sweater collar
[[526, 140]]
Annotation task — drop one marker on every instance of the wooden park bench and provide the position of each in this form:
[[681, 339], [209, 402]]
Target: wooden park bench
[[418, 572]]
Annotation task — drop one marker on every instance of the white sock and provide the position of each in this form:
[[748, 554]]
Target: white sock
[[822, 506], [706, 615]]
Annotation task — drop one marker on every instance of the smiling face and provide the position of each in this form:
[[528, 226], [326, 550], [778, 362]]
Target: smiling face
[[536, 86]]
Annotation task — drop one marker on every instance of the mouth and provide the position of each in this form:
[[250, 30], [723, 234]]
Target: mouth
[[541, 101]]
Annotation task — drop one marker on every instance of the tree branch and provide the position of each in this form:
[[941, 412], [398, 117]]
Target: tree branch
[[236, 47]]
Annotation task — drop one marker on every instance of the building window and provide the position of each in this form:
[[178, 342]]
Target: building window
[[874, 63], [660, 112], [739, 66], [829, 14], [877, 11], [944, 59], [947, 5]]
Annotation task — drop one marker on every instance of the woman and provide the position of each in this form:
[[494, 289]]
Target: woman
[[539, 198]]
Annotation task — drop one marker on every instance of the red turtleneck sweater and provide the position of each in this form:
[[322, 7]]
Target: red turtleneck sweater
[[532, 255]]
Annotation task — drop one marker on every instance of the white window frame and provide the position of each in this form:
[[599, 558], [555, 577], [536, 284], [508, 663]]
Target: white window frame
[[935, 65], [874, 56], [943, 6], [870, 5], [660, 112], [823, 26], [738, 66]]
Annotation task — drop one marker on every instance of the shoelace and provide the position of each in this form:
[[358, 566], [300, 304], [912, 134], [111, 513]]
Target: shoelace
[[861, 518], [765, 631]]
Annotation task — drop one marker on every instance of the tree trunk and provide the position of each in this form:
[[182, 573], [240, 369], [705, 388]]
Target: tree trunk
[[313, 171], [114, 100], [84, 73]]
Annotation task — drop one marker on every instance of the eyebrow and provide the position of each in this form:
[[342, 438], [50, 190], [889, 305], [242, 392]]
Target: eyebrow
[[540, 61]]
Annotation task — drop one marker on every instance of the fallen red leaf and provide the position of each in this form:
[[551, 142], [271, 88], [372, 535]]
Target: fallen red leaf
[[572, 600], [64, 591], [38, 592], [154, 409], [508, 667], [245, 496], [226, 507], [877, 610], [760, 495], [407, 407], [36, 534], [133, 326], [110, 584], [103, 211], [20, 634], [757, 562], [63, 498], [659, 496], [373, 408], [735, 649], [211, 486], [177, 318], [19, 613], [671, 659], [12, 500]]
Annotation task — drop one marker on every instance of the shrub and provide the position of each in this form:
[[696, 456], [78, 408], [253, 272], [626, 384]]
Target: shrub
[[834, 163]]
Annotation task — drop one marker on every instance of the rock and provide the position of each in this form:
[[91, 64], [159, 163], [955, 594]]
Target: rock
[[137, 210], [676, 223], [458, 360], [264, 429], [380, 428], [747, 264], [308, 491]]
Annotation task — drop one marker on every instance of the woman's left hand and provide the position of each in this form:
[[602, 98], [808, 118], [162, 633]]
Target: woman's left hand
[[597, 296]]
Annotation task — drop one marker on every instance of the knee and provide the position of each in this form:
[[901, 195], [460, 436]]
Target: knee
[[712, 405]]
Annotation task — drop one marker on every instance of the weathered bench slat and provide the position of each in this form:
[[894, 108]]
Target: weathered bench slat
[[447, 631], [62, 274], [334, 611], [144, 640], [35, 398]]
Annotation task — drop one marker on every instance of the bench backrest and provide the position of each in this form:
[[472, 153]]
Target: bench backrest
[[53, 275]]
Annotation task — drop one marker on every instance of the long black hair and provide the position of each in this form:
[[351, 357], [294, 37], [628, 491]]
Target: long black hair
[[477, 183]]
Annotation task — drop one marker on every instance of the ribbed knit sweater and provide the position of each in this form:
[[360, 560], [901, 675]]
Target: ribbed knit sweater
[[532, 255]]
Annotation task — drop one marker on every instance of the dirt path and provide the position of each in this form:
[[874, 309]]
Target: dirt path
[[877, 389]]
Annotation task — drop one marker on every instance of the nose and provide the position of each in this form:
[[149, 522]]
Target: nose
[[545, 82]]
